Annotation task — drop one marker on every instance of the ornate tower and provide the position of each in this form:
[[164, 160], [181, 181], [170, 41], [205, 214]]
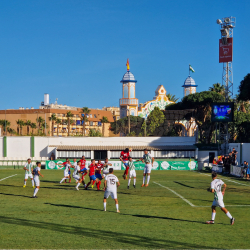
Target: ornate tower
[[128, 102], [189, 86]]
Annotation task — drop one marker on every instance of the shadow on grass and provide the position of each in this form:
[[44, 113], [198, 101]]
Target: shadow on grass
[[131, 239], [184, 185], [71, 206], [18, 195]]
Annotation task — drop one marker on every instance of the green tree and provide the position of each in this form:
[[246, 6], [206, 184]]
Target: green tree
[[69, 115], [85, 111], [172, 98], [58, 122], [244, 89], [11, 131], [4, 125], [28, 124], [103, 121], [32, 126], [155, 119], [20, 123], [53, 119], [218, 88], [40, 121], [94, 133]]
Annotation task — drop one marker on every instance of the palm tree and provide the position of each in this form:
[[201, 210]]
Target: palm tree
[[40, 120], [28, 124], [53, 119], [33, 126], [69, 115], [20, 124], [58, 122], [103, 121], [85, 111], [43, 127], [218, 88], [172, 98], [4, 124], [11, 131]]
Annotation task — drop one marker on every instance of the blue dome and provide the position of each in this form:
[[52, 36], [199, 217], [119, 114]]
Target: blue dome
[[128, 77], [189, 82]]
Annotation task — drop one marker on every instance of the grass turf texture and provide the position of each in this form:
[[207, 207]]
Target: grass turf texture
[[152, 217]]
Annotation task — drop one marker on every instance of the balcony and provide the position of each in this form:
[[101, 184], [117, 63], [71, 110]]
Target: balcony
[[132, 101]]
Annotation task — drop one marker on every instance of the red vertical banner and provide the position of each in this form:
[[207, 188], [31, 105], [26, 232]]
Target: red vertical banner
[[226, 51]]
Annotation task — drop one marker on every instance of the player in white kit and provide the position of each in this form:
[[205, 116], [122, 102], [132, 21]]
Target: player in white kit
[[67, 166], [28, 167], [76, 176], [149, 161], [105, 169], [110, 188], [132, 172], [215, 188], [36, 173]]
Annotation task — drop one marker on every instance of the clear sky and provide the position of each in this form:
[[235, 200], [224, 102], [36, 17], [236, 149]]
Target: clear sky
[[76, 50]]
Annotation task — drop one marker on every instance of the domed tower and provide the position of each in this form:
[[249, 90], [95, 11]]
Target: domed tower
[[128, 102], [189, 86]]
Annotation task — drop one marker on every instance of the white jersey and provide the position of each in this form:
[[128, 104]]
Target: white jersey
[[28, 166], [147, 158], [36, 170], [216, 185], [76, 170], [67, 165], [131, 165], [111, 182], [105, 168]]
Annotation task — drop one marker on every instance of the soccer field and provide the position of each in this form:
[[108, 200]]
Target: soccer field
[[170, 213]]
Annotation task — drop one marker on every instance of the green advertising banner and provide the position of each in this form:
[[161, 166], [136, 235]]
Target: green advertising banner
[[158, 165]]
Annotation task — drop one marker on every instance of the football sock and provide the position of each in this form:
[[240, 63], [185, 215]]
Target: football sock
[[63, 179], [88, 184], [229, 215], [134, 181], [35, 191], [213, 215], [104, 205], [148, 179], [78, 184], [93, 183], [129, 181], [144, 178], [117, 207], [32, 182], [25, 183]]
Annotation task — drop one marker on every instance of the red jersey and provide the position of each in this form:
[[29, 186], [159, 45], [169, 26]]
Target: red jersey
[[99, 168], [92, 169], [83, 163], [125, 155]]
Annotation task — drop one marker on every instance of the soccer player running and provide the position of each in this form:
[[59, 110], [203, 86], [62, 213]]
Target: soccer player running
[[98, 174], [124, 158], [76, 175], [132, 172], [92, 177], [215, 188], [105, 169], [110, 188], [84, 170], [149, 161], [36, 173], [28, 173], [67, 165]]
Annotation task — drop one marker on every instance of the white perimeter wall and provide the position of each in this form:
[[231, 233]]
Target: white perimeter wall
[[18, 146]]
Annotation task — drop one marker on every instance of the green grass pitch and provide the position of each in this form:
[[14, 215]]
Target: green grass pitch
[[170, 213]]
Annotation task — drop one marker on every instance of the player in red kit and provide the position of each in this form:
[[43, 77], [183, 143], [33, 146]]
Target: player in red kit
[[124, 158], [98, 174], [92, 167], [83, 169]]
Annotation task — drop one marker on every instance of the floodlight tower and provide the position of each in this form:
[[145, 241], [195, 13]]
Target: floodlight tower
[[226, 57], [226, 53]]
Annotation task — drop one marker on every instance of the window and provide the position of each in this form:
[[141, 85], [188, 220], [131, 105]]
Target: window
[[90, 115], [91, 123], [95, 116]]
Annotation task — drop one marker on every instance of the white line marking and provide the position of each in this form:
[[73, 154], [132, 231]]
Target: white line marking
[[7, 177], [228, 180], [228, 206], [191, 204]]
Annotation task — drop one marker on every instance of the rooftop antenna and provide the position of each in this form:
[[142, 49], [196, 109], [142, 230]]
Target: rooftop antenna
[[56, 100]]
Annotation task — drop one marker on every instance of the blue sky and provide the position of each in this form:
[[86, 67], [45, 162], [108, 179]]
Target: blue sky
[[77, 50]]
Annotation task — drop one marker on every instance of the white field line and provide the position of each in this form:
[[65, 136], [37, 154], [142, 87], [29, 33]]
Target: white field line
[[191, 204], [228, 180], [229, 206], [7, 177]]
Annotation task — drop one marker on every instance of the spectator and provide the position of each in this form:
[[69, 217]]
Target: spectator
[[234, 157], [244, 170], [214, 162], [247, 171], [227, 164]]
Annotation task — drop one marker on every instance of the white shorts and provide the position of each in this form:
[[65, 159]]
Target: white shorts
[[132, 173], [76, 177], [66, 173], [37, 181], [28, 176], [218, 203], [147, 168], [110, 193]]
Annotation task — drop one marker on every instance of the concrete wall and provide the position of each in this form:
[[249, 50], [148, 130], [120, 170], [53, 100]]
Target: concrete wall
[[203, 157], [1, 146], [18, 147]]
